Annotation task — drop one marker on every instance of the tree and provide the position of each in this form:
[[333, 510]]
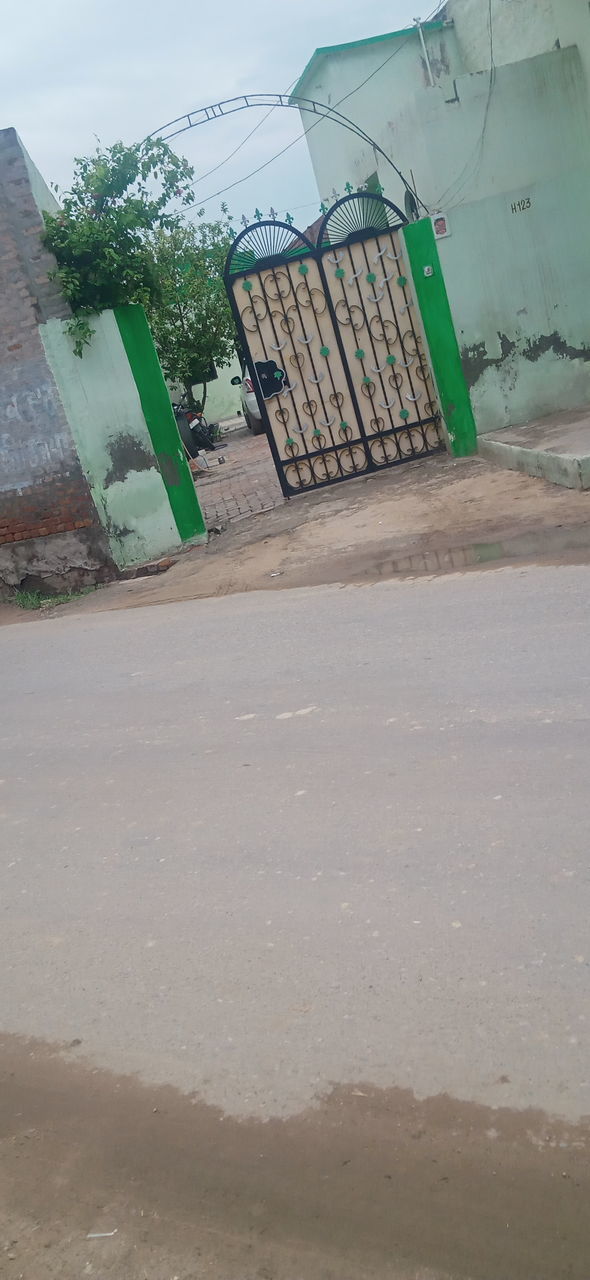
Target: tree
[[190, 319], [101, 235]]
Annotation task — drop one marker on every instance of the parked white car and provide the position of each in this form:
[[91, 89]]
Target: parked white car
[[250, 407]]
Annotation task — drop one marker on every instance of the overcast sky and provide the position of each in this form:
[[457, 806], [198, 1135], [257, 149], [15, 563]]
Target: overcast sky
[[74, 70]]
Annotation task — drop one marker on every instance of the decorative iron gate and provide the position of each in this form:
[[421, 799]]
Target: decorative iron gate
[[332, 346]]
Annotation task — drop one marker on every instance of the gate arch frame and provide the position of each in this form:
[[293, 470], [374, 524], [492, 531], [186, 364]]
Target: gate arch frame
[[219, 110]]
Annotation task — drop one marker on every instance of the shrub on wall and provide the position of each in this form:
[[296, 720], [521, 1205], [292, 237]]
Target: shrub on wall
[[101, 236]]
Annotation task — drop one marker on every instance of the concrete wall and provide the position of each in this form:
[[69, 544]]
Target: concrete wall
[[223, 400], [520, 29], [44, 198], [573, 28], [154, 398], [435, 133], [48, 522], [516, 263], [102, 405], [507, 160], [82, 486], [522, 316], [338, 156]]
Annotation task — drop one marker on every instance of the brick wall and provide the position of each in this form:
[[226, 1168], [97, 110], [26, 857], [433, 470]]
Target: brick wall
[[43, 509], [43, 491]]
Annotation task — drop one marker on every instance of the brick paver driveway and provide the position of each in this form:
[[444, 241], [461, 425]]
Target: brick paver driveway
[[246, 484]]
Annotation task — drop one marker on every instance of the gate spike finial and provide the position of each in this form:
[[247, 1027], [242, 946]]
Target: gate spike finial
[[244, 220], [258, 215], [348, 187], [289, 219], [323, 207], [335, 195], [273, 214]]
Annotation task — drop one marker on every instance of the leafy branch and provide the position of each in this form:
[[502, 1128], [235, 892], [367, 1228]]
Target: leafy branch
[[190, 319], [101, 236]]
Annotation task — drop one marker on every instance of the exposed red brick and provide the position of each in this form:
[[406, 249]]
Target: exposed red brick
[[50, 495]]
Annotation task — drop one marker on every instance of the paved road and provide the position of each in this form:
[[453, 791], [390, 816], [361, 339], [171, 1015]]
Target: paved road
[[278, 847]]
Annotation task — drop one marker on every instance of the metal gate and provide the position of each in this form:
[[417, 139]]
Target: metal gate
[[332, 344]]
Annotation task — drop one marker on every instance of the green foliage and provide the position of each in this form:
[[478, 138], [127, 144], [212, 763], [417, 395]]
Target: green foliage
[[38, 600], [80, 331], [190, 318], [100, 237]]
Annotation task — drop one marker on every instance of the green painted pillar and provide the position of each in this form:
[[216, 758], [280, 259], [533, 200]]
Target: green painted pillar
[[440, 333], [161, 423]]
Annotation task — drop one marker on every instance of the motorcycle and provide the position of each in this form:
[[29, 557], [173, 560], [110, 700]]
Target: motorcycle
[[194, 430]]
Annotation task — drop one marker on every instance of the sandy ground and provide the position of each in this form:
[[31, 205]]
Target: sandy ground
[[422, 518], [368, 1185]]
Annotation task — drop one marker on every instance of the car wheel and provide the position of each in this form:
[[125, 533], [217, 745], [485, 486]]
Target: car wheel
[[257, 427]]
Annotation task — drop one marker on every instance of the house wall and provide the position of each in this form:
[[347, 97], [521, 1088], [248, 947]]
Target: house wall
[[573, 28], [521, 313], [507, 160], [101, 403], [520, 29], [515, 262], [339, 156], [48, 522], [223, 400]]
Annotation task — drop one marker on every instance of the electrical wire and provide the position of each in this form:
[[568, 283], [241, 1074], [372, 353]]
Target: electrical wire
[[455, 188], [441, 5], [241, 144], [311, 204], [306, 132]]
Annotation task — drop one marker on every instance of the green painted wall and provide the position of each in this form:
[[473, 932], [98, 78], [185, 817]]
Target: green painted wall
[[518, 286], [102, 407], [507, 161], [521, 29], [157, 409], [440, 335]]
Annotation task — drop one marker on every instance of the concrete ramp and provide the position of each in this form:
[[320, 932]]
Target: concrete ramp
[[556, 448]]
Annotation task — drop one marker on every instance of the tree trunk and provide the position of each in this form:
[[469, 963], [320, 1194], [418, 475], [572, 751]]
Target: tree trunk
[[204, 397], [189, 397]]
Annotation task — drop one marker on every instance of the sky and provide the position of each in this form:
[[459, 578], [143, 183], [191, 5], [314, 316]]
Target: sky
[[75, 71]]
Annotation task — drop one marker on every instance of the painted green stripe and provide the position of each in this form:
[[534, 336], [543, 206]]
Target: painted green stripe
[[161, 424], [440, 333]]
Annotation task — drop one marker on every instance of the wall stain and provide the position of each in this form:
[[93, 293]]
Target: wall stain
[[170, 471], [118, 531], [127, 453], [554, 342], [475, 359], [115, 532], [439, 62]]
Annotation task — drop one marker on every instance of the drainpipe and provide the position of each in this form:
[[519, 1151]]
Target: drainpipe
[[425, 51]]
